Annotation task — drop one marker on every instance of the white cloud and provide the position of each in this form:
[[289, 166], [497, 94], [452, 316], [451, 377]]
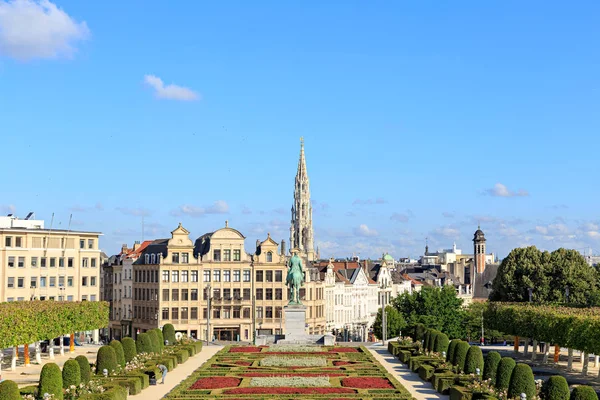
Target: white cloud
[[32, 29], [8, 209], [378, 200], [500, 190], [171, 92], [136, 212], [364, 230], [218, 207], [447, 232]]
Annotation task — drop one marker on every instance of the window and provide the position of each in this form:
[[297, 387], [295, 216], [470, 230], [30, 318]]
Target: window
[[174, 276], [216, 293], [246, 294], [259, 312], [84, 281], [246, 313], [204, 313], [226, 275], [269, 294], [217, 313], [268, 276], [226, 255], [227, 294], [278, 294], [165, 313], [259, 294], [70, 298], [8, 241], [194, 313], [52, 262], [269, 257], [216, 275], [269, 312], [43, 262], [90, 243], [34, 262], [61, 281], [92, 281], [278, 276], [82, 244], [194, 276], [184, 295], [61, 262], [84, 262], [236, 275], [93, 297], [146, 258], [165, 276], [70, 262], [226, 312], [175, 258], [259, 276], [175, 295], [185, 258], [93, 261], [216, 255], [277, 312], [21, 262], [43, 281], [18, 241], [174, 313], [237, 255], [33, 282], [184, 313], [11, 282], [70, 281], [247, 274], [52, 281], [193, 294], [165, 294], [206, 275], [11, 262]]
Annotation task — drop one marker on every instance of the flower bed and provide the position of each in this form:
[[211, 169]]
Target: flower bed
[[341, 363], [308, 375], [243, 363], [344, 350], [294, 348], [245, 349], [288, 390], [215, 382], [367, 382], [278, 361], [290, 381]]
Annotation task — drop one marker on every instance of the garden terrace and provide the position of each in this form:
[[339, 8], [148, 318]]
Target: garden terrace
[[240, 373]]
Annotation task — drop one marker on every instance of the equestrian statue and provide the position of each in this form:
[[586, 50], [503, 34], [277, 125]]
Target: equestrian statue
[[295, 278]]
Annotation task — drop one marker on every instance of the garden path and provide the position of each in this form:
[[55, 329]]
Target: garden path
[[418, 389], [177, 375]]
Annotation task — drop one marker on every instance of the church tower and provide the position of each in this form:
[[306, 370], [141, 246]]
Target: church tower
[[479, 250], [301, 229]]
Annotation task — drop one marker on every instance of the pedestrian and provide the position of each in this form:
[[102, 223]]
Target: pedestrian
[[163, 370]]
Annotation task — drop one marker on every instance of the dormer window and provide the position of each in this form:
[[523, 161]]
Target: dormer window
[[269, 257], [147, 258], [153, 258], [175, 258]]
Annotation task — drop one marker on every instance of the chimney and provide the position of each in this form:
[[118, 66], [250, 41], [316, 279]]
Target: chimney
[[136, 245], [124, 248], [283, 247]]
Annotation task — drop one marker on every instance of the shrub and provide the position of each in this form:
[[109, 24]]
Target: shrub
[[451, 349], [441, 343], [142, 377], [161, 339], [9, 390], [426, 372], [504, 372], [118, 347], [154, 341], [432, 339], [583, 392], [420, 331], [460, 355], [143, 344], [106, 359], [84, 368], [490, 366], [522, 381], [426, 339], [133, 384], [50, 381], [129, 351], [71, 374], [31, 390], [474, 360], [182, 356], [556, 388], [169, 333]]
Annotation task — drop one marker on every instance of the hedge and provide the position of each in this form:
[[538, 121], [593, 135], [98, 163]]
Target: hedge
[[522, 381], [71, 374], [490, 366], [460, 355], [154, 341], [9, 390], [583, 392], [182, 356], [106, 359], [460, 393], [432, 339], [426, 339], [161, 339], [113, 392], [129, 351], [31, 389], [556, 388], [474, 360], [32, 321], [504, 372], [143, 344], [451, 349], [118, 347], [50, 381], [85, 371], [426, 372], [132, 383], [169, 333], [441, 343]]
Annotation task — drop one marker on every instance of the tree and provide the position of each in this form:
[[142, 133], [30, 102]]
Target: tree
[[522, 381], [129, 350], [395, 323], [169, 333], [472, 322], [556, 388], [436, 308]]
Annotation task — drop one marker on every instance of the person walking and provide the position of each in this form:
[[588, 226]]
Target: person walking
[[163, 370]]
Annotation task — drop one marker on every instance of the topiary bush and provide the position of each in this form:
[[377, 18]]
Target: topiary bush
[[460, 355], [85, 371], [450, 352], [118, 347], [129, 351], [583, 392], [106, 359], [169, 333], [474, 360], [420, 330], [441, 343], [490, 365], [504, 372], [161, 340], [71, 374], [522, 381], [50, 381], [556, 388], [143, 344], [432, 339], [9, 390], [154, 340], [426, 339]]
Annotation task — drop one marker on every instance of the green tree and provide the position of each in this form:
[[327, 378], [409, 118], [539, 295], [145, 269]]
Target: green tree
[[395, 323], [115, 344], [460, 355], [472, 322], [583, 392], [474, 360], [569, 268], [143, 344], [106, 359], [490, 366], [129, 350], [504, 372], [169, 333], [441, 343]]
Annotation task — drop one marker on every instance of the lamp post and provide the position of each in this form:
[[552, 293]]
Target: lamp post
[[383, 316], [208, 310], [482, 333], [252, 278]]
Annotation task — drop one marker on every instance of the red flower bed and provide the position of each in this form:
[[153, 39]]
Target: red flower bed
[[288, 390], [340, 363], [344, 350], [244, 363], [367, 383], [245, 349], [298, 353], [305, 375], [215, 382]]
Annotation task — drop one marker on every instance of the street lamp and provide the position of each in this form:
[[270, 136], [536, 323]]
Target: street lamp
[[208, 310]]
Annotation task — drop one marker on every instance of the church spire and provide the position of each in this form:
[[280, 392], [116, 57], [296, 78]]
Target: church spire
[[301, 230]]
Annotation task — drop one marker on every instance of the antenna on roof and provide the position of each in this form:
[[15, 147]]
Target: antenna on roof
[[29, 215]]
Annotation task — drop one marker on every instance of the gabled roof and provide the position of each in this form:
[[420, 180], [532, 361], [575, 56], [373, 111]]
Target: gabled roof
[[136, 253]]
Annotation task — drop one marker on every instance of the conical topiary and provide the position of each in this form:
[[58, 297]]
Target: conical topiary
[[9, 390], [71, 375], [84, 368], [441, 343], [522, 381], [504, 372], [451, 349], [169, 333], [129, 350], [106, 360], [161, 340], [583, 392], [432, 338], [50, 381], [143, 344], [460, 355], [556, 388], [474, 360], [118, 347], [490, 366], [154, 340]]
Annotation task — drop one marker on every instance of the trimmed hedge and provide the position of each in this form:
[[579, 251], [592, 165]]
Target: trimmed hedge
[[490, 366], [71, 374], [113, 392], [583, 392], [169, 333], [133, 384], [154, 341], [143, 378], [522, 381], [161, 339], [106, 359], [441, 343], [426, 372], [426, 339], [50, 381], [451, 349], [143, 344], [9, 390], [182, 356], [442, 382], [85, 372], [556, 388], [129, 351], [460, 393], [432, 339], [460, 355], [504, 372], [474, 360], [404, 356], [118, 347], [32, 390]]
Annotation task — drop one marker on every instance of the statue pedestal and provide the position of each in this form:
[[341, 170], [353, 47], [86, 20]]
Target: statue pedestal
[[295, 321]]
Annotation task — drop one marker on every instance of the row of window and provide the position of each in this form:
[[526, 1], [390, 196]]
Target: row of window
[[19, 242], [177, 313], [19, 282], [60, 298], [52, 262], [215, 275]]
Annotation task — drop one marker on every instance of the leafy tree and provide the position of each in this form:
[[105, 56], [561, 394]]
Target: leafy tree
[[395, 322], [472, 322], [437, 308]]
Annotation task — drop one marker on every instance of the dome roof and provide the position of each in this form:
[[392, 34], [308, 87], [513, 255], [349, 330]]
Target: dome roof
[[479, 235], [387, 257]]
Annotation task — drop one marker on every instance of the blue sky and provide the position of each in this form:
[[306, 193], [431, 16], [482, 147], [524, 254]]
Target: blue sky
[[420, 120]]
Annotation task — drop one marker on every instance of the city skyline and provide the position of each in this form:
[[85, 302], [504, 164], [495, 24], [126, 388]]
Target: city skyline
[[419, 121]]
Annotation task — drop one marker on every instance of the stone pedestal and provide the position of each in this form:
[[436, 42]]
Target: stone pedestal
[[295, 321]]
